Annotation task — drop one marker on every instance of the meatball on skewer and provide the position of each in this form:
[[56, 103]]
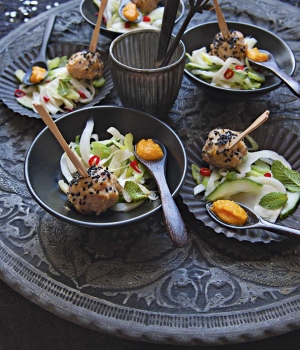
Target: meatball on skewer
[[96, 193], [216, 150]]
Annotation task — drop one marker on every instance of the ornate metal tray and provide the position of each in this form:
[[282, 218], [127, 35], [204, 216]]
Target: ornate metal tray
[[131, 282]]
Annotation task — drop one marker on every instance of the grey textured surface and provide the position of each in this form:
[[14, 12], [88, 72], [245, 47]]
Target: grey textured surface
[[131, 282]]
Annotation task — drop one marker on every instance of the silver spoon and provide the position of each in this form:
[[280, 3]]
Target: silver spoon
[[173, 219], [271, 64], [255, 221], [122, 5], [40, 60]]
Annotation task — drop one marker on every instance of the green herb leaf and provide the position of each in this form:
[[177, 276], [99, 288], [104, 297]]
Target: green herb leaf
[[289, 178], [273, 200], [134, 191], [63, 88], [196, 174], [63, 61]]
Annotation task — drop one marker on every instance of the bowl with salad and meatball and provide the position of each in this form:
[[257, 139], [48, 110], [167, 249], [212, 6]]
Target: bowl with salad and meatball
[[220, 66], [118, 189]]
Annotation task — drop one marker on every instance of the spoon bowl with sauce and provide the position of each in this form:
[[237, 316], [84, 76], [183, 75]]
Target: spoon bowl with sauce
[[153, 155], [255, 221], [270, 64], [38, 69], [133, 13]]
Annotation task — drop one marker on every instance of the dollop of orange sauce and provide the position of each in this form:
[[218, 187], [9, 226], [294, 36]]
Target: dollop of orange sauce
[[149, 150], [38, 74], [229, 212], [255, 55], [130, 12]]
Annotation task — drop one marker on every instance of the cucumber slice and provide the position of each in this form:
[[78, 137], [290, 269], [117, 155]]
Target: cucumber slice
[[19, 75], [291, 204], [25, 101], [256, 76], [228, 188], [54, 63], [261, 167], [99, 82]]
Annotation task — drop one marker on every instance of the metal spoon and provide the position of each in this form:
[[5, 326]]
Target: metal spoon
[[256, 221], [40, 60], [271, 64], [122, 5], [173, 219]]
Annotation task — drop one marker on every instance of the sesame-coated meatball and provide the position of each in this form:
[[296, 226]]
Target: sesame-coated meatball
[[85, 65], [96, 193], [216, 149], [146, 6], [234, 46]]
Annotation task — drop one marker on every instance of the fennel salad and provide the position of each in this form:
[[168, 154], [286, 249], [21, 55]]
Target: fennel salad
[[116, 154], [59, 91], [233, 73], [265, 182], [114, 22]]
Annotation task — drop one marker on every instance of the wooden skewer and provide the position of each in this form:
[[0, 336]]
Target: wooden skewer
[[221, 20], [53, 128], [96, 32], [258, 122]]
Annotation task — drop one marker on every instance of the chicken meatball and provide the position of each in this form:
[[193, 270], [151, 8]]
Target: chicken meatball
[[216, 149], [85, 65], [96, 193], [234, 46], [146, 6]]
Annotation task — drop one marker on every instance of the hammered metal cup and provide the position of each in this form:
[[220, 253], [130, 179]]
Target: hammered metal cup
[[138, 83]]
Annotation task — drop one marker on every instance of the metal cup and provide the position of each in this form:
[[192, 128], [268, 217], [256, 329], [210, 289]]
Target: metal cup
[[138, 83]]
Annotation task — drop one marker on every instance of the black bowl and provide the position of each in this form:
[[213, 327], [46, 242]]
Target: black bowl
[[42, 173], [202, 36], [88, 9]]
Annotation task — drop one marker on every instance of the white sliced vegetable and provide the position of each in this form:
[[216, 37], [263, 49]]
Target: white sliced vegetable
[[64, 168], [198, 189], [85, 139], [266, 155]]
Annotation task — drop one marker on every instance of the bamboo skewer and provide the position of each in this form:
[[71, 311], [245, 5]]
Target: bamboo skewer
[[258, 122], [53, 128], [96, 32], [221, 20]]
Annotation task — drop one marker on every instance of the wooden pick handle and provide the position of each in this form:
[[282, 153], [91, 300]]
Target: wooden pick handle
[[96, 32], [221, 20], [258, 122], [53, 128]]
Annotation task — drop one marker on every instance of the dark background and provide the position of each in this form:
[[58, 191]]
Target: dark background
[[23, 325]]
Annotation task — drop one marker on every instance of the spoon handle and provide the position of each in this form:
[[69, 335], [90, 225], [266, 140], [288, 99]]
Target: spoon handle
[[173, 219], [291, 83], [287, 232], [48, 30]]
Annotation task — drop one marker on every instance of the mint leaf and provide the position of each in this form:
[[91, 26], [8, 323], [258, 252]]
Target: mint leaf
[[289, 178], [273, 200], [63, 88], [134, 191]]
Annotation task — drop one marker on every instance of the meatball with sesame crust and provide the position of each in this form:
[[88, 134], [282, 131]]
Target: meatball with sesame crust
[[234, 46], [85, 65], [216, 149], [96, 193]]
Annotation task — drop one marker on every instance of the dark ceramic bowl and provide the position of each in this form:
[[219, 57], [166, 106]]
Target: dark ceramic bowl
[[202, 36], [88, 10], [42, 173]]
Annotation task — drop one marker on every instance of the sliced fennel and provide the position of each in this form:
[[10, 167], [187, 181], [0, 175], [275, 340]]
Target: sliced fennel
[[118, 151]]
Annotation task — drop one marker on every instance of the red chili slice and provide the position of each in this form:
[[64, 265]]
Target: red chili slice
[[205, 171], [82, 94], [94, 160], [135, 167], [239, 67], [268, 175], [228, 74], [127, 25], [19, 93], [146, 19], [46, 99]]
